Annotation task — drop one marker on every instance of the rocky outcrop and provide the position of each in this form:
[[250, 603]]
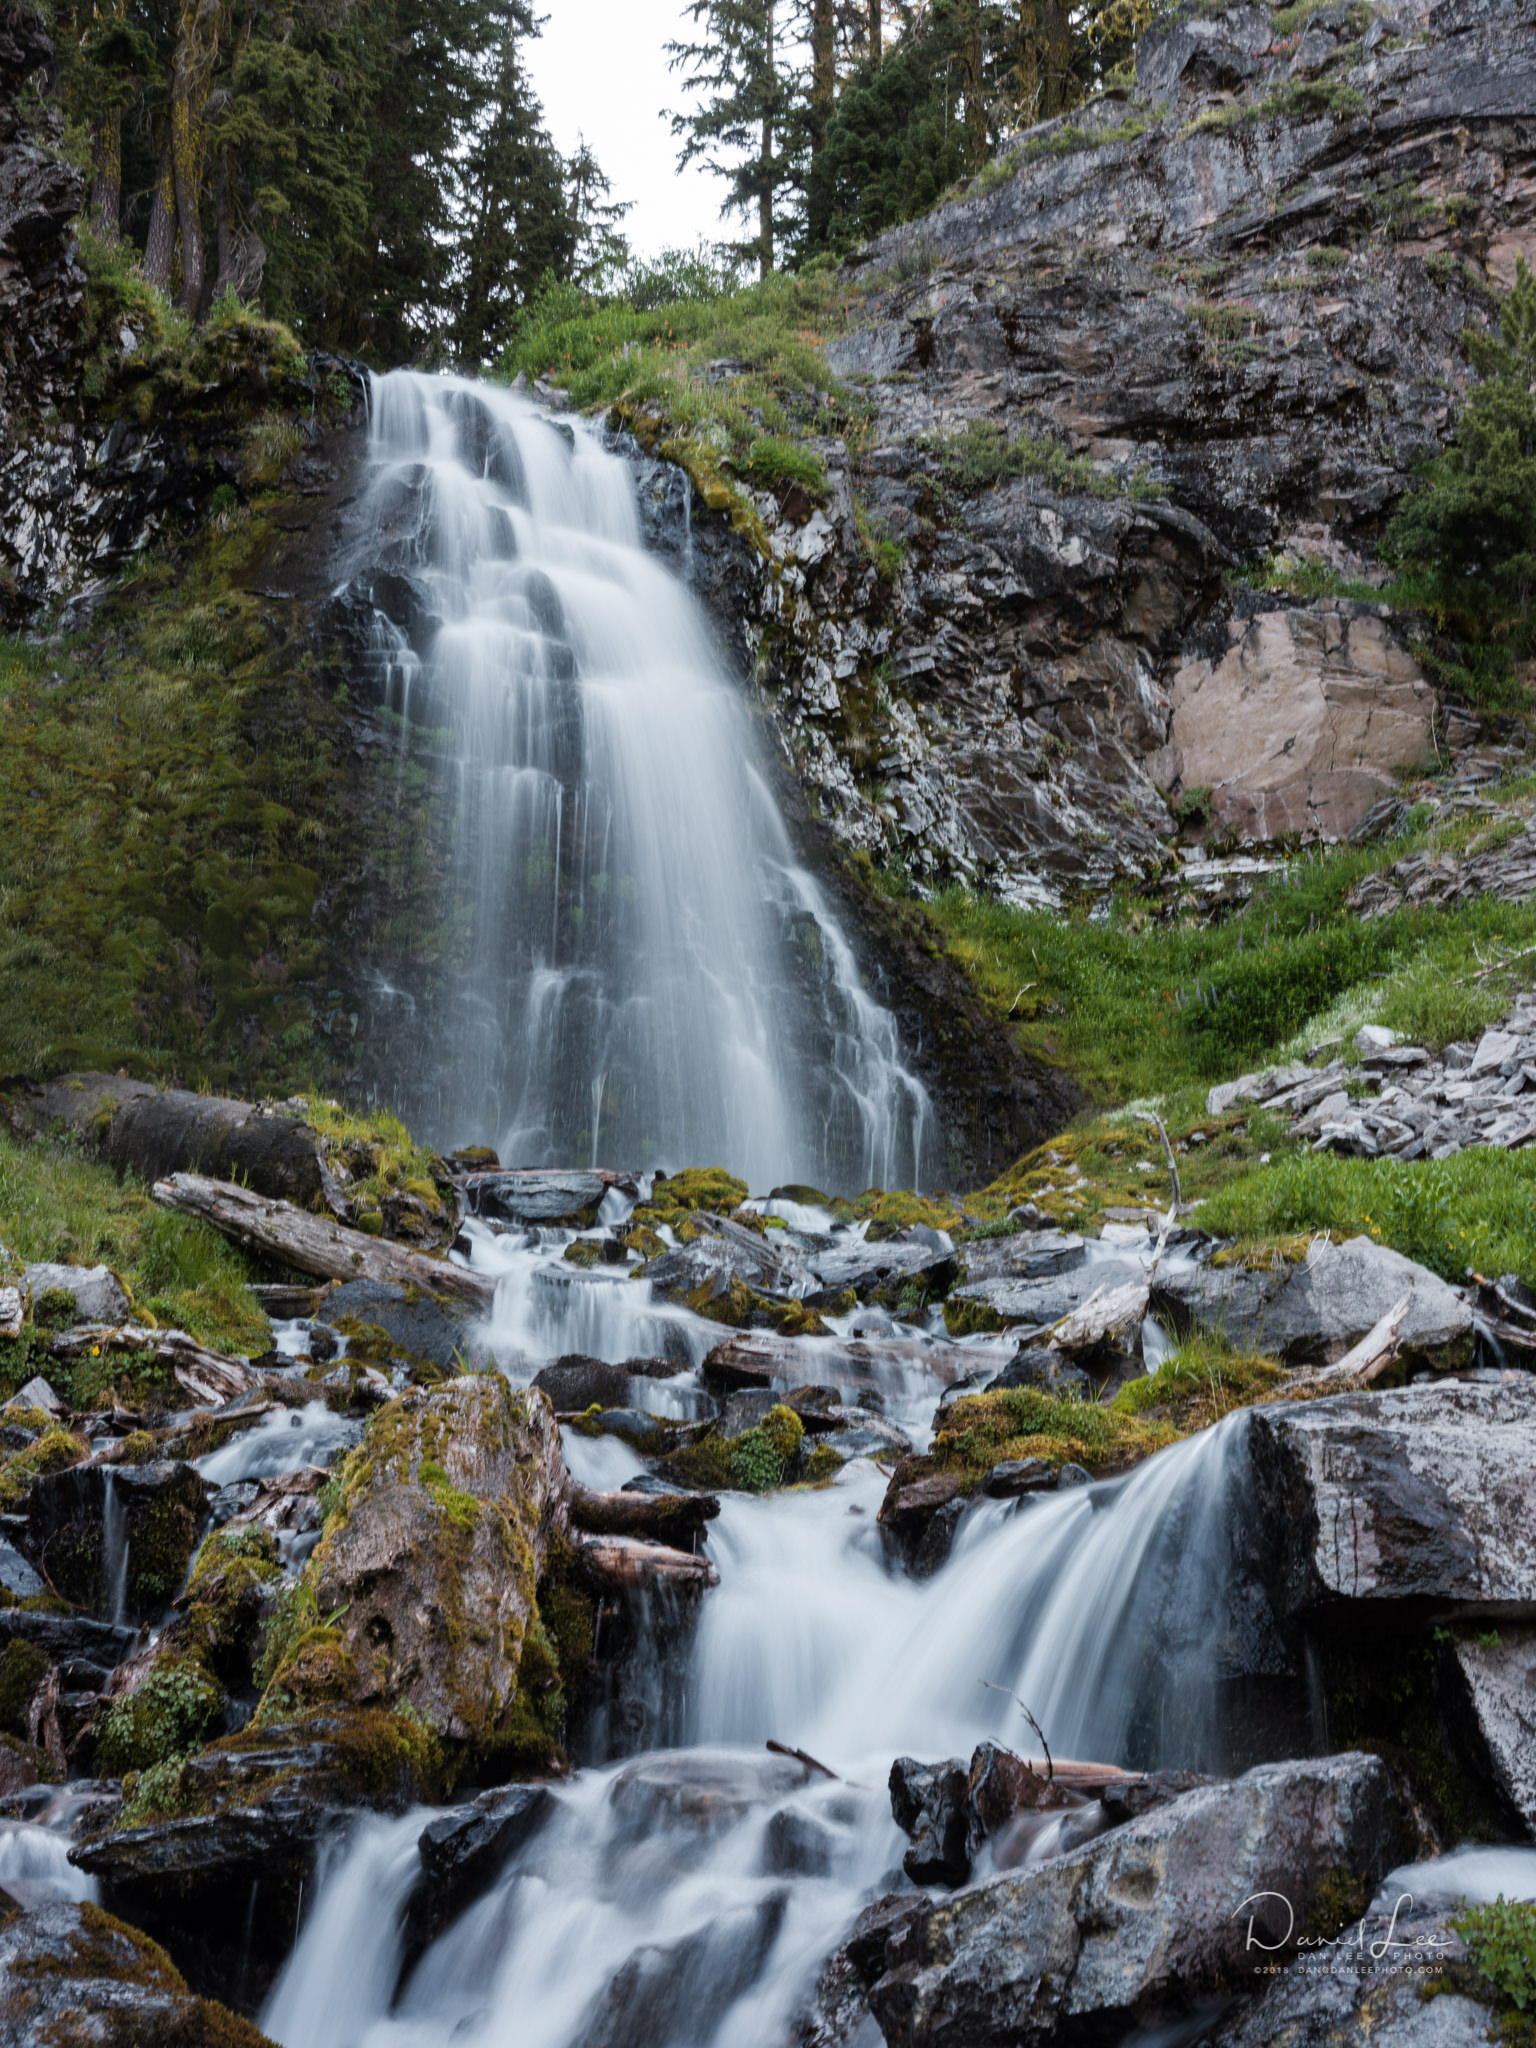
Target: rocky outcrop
[[41, 191], [1301, 725], [74, 1973], [1220, 316], [1139, 1925], [1420, 1499], [1391, 1981]]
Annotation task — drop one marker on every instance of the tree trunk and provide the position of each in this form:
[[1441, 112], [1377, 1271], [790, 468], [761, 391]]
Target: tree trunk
[[160, 249], [876, 52], [107, 173], [316, 1244], [197, 53], [765, 165], [823, 74], [973, 82]]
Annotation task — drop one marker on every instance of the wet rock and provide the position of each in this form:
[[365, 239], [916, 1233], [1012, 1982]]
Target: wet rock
[[1313, 1313], [664, 1992], [882, 1272], [1419, 1993], [703, 1271], [1031, 1255], [417, 1324], [1303, 722], [1145, 1920], [1044, 1369], [433, 1569], [1498, 1675], [574, 1384], [158, 1510], [96, 1291], [522, 1195], [74, 1973], [797, 1845], [1015, 1476], [928, 1802], [463, 1852], [86, 1652], [1423, 1494], [909, 1507]]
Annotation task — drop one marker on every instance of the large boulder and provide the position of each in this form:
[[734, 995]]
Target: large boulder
[[417, 1325], [431, 1567], [1497, 1672], [1415, 1993], [1423, 1494], [96, 1292], [1302, 722], [1142, 1923], [516, 1196], [71, 1973], [1313, 1312]]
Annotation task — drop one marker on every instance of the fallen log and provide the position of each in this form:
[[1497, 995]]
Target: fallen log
[[624, 1564], [208, 1376], [670, 1518], [1107, 1313], [316, 1244]]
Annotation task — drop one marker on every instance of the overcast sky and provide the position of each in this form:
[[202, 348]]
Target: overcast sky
[[600, 70]]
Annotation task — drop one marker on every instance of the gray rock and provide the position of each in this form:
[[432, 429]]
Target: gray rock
[[1500, 1681], [928, 1802], [99, 1295], [1361, 1994], [1313, 1313], [37, 1394], [1148, 1919], [880, 1272], [729, 1252], [420, 1326], [462, 1853], [513, 1195], [1032, 1255], [1424, 1493], [1016, 1476], [16, 1575]]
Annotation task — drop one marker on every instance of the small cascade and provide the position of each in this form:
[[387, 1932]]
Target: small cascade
[[114, 1549], [686, 1898], [635, 964]]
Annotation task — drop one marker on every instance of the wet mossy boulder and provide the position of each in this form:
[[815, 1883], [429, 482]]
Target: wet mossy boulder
[[160, 1509], [72, 1973], [422, 1596]]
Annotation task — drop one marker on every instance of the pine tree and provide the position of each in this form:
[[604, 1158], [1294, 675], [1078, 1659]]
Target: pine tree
[[602, 250], [1472, 524], [745, 127]]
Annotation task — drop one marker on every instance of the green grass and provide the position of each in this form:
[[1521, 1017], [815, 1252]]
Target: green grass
[[1141, 1008], [56, 1206], [985, 453], [653, 366], [1476, 1209]]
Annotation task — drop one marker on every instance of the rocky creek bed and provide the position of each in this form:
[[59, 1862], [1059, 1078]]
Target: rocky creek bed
[[472, 1605]]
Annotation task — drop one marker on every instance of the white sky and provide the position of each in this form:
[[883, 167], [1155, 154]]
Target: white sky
[[599, 68]]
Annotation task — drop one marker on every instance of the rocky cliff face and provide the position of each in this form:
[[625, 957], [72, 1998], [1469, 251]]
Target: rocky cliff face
[[1215, 318], [40, 193]]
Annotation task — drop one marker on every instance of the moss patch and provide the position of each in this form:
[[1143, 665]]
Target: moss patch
[[167, 1717]]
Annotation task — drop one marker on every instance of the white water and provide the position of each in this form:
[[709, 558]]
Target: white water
[[114, 1549], [685, 1899], [637, 967]]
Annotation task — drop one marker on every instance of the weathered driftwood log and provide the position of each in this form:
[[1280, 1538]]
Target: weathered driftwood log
[[670, 1518], [623, 1564], [316, 1244], [1109, 1312], [1370, 1358], [209, 1376]]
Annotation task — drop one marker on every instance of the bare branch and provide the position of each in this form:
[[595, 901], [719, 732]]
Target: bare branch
[[1050, 1768]]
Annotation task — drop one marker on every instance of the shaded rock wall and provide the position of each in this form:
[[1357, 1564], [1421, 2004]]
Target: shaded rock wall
[[41, 284]]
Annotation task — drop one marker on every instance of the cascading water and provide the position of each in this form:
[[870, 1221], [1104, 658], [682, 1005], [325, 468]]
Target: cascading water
[[686, 1898], [636, 967]]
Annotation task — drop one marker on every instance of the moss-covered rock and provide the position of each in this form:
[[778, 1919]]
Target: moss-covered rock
[[74, 1974], [422, 1594], [164, 1717]]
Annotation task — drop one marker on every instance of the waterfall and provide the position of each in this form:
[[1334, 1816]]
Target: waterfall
[[685, 1898], [114, 1549], [635, 965]]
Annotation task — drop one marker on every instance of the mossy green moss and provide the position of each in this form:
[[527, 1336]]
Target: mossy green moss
[[51, 1453], [23, 1666], [234, 1579], [741, 1307], [890, 1213], [824, 1463], [165, 1718], [965, 1317]]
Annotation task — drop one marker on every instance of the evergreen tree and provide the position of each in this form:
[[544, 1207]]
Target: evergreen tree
[[745, 125], [602, 250], [1472, 524]]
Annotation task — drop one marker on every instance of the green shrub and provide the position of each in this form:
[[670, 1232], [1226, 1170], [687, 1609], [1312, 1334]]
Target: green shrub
[[1472, 523], [1502, 1942]]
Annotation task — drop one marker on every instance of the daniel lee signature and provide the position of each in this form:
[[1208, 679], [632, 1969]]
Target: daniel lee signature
[[1383, 1945]]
